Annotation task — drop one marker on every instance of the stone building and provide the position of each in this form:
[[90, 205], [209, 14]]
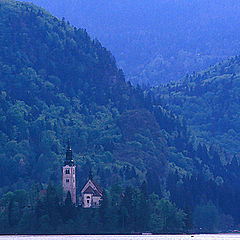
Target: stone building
[[91, 193], [69, 175]]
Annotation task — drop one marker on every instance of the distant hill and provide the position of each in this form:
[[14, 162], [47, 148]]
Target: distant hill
[[209, 101], [58, 82], [157, 41]]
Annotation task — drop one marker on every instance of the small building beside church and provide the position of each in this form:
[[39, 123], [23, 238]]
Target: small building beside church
[[91, 193]]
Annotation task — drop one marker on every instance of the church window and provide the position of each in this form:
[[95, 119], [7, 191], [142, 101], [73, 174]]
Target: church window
[[67, 180], [87, 201], [67, 171]]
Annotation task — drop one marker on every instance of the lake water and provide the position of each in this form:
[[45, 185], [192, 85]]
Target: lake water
[[123, 237]]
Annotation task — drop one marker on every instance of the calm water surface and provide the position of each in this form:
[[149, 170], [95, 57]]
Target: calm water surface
[[122, 237]]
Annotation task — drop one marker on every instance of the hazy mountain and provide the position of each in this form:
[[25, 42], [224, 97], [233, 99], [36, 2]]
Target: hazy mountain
[[209, 101], [56, 81], [157, 41]]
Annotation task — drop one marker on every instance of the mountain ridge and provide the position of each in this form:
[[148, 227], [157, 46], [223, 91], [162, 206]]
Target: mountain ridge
[[178, 37], [212, 95]]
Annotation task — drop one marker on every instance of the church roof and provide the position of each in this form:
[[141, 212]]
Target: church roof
[[97, 186], [90, 190]]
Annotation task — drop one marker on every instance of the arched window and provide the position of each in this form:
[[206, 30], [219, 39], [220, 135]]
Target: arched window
[[67, 171]]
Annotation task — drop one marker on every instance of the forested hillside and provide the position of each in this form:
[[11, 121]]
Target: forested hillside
[[209, 101], [158, 42], [55, 82]]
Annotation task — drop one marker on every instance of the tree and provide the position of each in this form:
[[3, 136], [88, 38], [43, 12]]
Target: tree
[[206, 217], [126, 211], [52, 206], [68, 209], [104, 213], [142, 209], [166, 217]]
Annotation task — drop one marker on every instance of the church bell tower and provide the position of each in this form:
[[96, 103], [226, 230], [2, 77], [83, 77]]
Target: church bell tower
[[69, 175]]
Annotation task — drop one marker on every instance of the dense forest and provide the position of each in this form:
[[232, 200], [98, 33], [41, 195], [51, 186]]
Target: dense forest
[[158, 42], [209, 101], [132, 212], [56, 82]]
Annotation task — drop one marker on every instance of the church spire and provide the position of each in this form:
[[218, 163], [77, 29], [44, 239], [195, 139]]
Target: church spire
[[69, 175], [69, 160]]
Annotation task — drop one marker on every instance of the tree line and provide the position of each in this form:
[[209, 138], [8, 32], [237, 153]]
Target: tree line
[[122, 210]]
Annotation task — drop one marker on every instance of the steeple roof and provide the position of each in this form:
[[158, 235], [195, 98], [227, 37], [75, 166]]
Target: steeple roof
[[69, 160]]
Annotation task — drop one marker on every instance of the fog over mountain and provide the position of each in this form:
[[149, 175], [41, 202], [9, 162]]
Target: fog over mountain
[[157, 41]]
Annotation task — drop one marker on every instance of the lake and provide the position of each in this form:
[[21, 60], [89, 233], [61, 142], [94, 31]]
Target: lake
[[127, 237]]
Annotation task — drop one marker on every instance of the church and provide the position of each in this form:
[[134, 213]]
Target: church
[[91, 193]]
